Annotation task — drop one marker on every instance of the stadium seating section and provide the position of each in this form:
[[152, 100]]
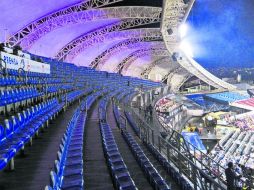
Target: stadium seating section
[[236, 146], [244, 123], [29, 101]]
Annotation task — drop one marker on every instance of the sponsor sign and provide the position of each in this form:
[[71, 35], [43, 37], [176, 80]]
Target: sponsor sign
[[16, 62]]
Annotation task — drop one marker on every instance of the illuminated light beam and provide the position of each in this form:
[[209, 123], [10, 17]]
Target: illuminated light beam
[[101, 59], [124, 65], [27, 36], [112, 31]]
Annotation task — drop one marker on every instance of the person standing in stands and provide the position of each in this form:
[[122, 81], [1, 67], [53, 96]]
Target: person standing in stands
[[150, 108], [208, 150], [231, 177]]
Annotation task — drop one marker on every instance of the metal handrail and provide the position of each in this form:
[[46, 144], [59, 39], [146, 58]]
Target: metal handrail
[[199, 163], [183, 151]]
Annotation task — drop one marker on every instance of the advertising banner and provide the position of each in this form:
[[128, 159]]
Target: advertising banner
[[16, 62]]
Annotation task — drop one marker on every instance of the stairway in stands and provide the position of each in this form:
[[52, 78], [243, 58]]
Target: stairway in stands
[[135, 171], [155, 163], [96, 173], [153, 160]]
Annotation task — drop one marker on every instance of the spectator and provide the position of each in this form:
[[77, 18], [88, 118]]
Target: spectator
[[231, 177], [150, 108], [208, 149], [238, 169], [196, 130]]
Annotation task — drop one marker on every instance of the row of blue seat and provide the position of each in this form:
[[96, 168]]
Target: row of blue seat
[[178, 178], [119, 172], [9, 80], [30, 74], [181, 181], [21, 128], [10, 96], [12, 80], [71, 96], [48, 80], [68, 172], [150, 171], [56, 88]]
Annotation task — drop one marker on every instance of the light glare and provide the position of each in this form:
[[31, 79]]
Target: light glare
[[183, 30], [186, 48]]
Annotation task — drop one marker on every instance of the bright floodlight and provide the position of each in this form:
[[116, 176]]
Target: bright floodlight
[[186, 48], [183, 30]]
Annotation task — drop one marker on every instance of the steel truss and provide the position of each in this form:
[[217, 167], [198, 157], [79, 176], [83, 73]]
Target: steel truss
[[153, 53], [133, 42], [163, 60], [174, 14], [186, 78], [77, 46], [38, 24], [124, 65], [176, 84], [126, 45], [27, 36]]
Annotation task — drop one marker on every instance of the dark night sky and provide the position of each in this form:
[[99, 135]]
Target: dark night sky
[[222, 33]]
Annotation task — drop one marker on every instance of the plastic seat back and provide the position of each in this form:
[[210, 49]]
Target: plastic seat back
[[7, 95], [25, 116], [29, 114], [53, 179], [21, 119], [58, 168], [2, 135], [8, 128], [15, 123], [32, 111]]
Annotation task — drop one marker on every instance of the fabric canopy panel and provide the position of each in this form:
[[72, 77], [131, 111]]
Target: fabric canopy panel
[[17, 14]]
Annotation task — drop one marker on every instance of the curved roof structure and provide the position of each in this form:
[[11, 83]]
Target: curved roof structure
[[111, 35]]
